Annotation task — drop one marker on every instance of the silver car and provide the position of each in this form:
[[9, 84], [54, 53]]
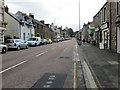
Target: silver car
[[16, 44], [3, 48]]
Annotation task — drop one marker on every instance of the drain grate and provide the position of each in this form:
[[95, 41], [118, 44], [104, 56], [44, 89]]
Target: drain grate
[[64, 57]]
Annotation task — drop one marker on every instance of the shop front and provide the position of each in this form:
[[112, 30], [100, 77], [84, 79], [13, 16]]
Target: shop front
[[105, 35]]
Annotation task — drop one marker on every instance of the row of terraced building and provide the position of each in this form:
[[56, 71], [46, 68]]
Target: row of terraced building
[[105, 27]]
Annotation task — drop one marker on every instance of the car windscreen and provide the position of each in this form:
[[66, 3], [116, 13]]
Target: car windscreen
[[9, 41], [32, 39], [42, 40]]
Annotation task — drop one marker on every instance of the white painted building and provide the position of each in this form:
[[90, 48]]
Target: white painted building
[[2, 21], [56, 31], [19, 26]]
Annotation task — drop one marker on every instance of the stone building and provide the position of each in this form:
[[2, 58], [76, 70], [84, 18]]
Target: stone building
[[39, 28], [118, 26], [105, 28], [48, 32], [84, 33]]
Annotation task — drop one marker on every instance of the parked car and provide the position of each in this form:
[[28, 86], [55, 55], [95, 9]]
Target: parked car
[[49, 41], [34, 41], [43, 41], [60, 39], [16, 44], [3, 48], [55, 40]]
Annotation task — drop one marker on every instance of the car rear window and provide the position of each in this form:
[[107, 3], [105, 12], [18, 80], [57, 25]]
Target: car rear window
[[32, 39], [9, 41], [17, 40]]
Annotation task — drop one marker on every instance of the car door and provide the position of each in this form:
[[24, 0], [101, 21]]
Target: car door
[[23, 43]]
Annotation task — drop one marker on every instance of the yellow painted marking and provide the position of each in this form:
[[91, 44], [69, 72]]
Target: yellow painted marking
[[75, 81]]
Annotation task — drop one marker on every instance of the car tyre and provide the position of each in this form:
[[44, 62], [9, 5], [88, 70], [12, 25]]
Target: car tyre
[[35, 44], [18, 48], [27, 47], [4, 50]]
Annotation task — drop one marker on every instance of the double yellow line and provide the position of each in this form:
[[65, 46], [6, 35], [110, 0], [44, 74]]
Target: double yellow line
[[75, 75]]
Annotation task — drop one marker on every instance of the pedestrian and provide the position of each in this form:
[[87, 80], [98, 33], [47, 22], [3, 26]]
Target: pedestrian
[[83, 41]]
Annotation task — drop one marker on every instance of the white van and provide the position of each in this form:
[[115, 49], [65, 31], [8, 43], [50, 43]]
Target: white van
[[34, 41]]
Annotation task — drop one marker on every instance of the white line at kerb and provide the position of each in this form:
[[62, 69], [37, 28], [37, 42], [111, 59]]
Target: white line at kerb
[[12, 67], [41, 54]]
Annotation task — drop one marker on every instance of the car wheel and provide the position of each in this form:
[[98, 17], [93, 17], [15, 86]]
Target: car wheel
[[27, 47], [3, 50], [18, 48]]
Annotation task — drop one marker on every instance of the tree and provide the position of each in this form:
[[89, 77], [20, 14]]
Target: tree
[[70, 32]]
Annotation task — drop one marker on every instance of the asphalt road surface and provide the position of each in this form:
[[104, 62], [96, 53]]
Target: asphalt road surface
[[45, 66]]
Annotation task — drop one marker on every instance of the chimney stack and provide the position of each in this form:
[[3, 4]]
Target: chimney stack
[[31, 15], [6, 9], [42, 21]]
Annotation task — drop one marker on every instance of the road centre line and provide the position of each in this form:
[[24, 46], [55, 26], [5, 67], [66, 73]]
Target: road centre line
[[13, 67], [41, 54]]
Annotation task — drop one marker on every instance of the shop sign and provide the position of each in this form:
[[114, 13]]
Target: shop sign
[[96, 29], [104, 26]]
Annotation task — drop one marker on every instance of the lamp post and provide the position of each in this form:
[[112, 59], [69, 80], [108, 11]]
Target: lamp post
[[79, 15]]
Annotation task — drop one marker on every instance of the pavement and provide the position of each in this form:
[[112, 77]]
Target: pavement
[[104, 65]]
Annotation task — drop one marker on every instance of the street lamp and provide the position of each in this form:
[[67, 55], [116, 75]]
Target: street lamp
[[79, 15]]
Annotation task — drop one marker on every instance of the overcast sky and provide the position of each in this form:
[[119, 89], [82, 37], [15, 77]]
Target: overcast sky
[[61, 12]]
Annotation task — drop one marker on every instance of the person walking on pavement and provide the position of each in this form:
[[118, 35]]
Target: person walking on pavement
[[83, 41]]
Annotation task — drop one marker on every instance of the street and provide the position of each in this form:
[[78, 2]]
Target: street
[[60, 65], [47, 66]]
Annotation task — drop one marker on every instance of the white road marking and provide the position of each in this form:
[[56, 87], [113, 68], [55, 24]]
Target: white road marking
[[41, 54], [49, 82], [46, 86], [12, 67], [66, 49], [51, 78]]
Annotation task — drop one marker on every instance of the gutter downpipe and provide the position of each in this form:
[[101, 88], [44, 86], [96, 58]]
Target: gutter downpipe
[[110, 26]]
